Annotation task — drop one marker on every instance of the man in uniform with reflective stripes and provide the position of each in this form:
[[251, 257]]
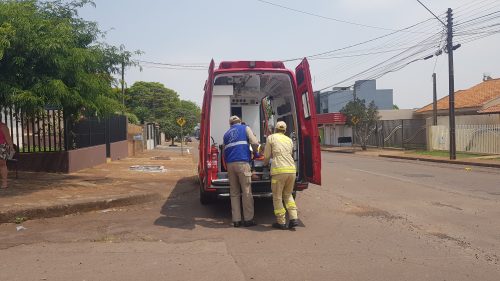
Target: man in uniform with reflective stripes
[[279, 148], [237, 156]]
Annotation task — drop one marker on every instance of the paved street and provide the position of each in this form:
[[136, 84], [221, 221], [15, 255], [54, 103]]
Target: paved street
[[373, 219]]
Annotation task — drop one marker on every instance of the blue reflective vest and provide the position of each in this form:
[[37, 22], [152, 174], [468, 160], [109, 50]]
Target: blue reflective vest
[[236, 144]]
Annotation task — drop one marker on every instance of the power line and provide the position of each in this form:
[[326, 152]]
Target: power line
[[184, 65], [325, 17], [431, 12], [356, 44], [418, 44]]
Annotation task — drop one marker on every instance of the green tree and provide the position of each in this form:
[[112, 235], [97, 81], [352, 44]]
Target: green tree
[[185, 109], [53, 57], [361, 118], [395, 106], [151, 101]]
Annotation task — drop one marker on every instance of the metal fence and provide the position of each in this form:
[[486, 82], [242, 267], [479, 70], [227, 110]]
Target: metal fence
[[469, 138], [406, 134], [43, 132], [50, 130]]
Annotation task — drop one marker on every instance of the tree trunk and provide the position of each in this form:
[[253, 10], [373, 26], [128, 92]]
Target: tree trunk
[[173, 142]]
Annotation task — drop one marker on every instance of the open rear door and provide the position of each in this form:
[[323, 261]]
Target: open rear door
[[310, 152], [204, 146]]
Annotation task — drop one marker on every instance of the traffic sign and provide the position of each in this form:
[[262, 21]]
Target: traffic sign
[[355, 120], [181, 121]]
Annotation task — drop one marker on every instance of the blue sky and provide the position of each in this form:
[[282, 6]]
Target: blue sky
[[194, 31]]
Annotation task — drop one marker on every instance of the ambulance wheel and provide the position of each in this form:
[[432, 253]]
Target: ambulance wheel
[[206, 198]]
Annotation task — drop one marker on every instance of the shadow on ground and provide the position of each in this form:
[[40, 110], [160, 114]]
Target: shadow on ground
[[183, 210]]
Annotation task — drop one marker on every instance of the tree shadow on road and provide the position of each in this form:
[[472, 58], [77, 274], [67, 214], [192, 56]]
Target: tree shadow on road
[[183, 210]]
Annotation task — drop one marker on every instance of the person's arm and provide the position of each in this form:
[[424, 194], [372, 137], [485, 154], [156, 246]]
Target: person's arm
[[267, 152], [6, 135], [251, 137]]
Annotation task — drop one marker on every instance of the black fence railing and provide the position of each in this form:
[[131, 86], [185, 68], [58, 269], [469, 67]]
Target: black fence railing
[[43, 132], [50, 130], [405, 134]]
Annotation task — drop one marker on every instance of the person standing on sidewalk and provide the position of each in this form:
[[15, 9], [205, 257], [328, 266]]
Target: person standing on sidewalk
[[237, 156], [6, 146], [279, 149]]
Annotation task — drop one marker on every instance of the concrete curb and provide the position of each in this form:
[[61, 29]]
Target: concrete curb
[[339, 151], [80, 207], [459, 162]]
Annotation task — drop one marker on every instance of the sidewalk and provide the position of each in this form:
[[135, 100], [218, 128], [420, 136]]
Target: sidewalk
[[410, 155], [37, 195]]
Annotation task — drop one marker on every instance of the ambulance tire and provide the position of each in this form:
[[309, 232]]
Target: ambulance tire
[[206, 198]]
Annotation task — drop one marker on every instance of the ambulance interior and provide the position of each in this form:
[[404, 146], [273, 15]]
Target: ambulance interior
[[260, 100]]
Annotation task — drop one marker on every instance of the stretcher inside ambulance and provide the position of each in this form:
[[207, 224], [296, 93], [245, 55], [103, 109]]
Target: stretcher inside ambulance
[[261, 94]]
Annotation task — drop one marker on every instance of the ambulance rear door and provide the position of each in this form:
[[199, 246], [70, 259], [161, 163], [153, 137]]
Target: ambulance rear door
[[204, 146], [310, 152]]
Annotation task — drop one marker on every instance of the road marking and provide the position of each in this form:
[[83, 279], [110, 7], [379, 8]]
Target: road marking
[[387, 176]]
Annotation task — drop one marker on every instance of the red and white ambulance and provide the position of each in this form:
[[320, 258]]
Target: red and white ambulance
[[261, 93]]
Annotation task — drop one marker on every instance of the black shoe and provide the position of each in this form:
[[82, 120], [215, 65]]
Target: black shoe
[[293, 223], [236, 223], [279, 226], [249, 223]]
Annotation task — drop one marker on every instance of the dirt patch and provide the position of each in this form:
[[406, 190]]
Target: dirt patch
[[366, 211], [445, 236], [439, 204]]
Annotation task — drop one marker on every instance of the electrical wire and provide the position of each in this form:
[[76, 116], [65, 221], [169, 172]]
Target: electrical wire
[[174, 65], [327, 18]]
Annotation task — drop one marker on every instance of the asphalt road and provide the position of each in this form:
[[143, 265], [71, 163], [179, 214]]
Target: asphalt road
[[373, 219]]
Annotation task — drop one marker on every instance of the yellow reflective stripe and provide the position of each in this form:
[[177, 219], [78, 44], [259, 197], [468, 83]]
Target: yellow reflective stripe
[[274, 181], [290, 204], [289, 169], [279, 212]]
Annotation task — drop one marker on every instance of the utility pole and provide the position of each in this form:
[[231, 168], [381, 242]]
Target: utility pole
[[123, 84], [451, 77], [434, 100]]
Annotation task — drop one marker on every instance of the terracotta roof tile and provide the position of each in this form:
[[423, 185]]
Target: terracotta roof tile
[[476, 96], [491, 109]]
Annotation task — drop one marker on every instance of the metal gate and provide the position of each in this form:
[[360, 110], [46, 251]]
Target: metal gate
[[405, 134]]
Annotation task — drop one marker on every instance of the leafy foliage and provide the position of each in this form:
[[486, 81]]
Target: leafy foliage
[[362, 119], [51, 56], [153, 102]]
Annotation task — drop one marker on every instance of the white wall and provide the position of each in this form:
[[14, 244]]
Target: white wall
[[251, 116], [483, 119], [333, 132], [396, 114], [220, 112], [469, 138]]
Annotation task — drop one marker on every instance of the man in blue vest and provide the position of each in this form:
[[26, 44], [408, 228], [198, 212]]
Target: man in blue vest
[[237, 156]]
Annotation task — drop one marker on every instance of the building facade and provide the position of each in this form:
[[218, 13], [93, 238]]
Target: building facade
[[338, 97]]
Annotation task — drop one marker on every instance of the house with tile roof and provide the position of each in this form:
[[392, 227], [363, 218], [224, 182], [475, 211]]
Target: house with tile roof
[[483, 98], [477, 120]]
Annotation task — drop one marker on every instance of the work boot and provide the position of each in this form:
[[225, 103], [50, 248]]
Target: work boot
[[236, 223], [279, 226], [249, 223], [293, 223]]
